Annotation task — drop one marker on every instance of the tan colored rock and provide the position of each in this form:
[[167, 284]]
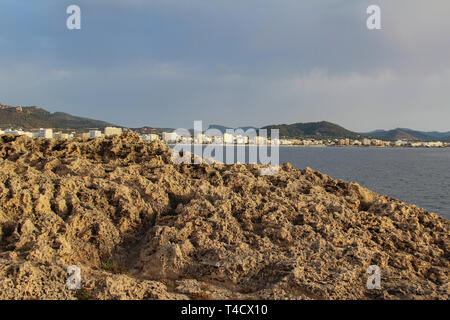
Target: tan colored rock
[[141, 227]]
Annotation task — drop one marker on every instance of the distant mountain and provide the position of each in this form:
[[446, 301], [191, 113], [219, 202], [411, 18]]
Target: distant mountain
[[146, 130], [408, 134], [165, 129], [321, 129], [35, 117], [223, 129], [439, 135]]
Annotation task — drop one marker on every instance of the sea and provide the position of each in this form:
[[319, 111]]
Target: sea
[[419, 176]]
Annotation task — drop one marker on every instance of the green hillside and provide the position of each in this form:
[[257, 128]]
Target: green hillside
[[36, 117], [321, 129]]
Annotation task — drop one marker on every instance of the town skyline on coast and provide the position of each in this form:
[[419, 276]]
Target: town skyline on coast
[[323, 133], [221, 126]]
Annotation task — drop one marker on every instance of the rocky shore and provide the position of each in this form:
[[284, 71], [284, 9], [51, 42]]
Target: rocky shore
[[141, 227]]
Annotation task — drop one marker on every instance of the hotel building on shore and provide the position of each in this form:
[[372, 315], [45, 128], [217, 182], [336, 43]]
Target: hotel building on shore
[[45, 133], [112, 131], [170, 137], [150, 137], [95, 134]]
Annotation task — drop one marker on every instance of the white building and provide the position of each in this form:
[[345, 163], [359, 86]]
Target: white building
[[217, 139], [45, 133], [170, 137], [437, 144], [13, 132], [186, 140], [202, 138], [376, 142], [417, 144], [241, 139], [95, 133], [61, 135], [259, 140], [228, 138], [150, 137], [112, 131], [285, 142], [400, 143], [199, 138], [23, 133], [275, 142]]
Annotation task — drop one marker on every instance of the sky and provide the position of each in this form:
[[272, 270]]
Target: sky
[[166, 63]]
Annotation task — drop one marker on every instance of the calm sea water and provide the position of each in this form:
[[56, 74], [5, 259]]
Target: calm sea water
[[417, 176]]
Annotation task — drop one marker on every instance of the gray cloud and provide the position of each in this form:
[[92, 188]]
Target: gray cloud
[[167, 63]]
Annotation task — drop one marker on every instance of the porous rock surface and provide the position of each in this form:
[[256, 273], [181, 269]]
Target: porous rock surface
[[141, 227]]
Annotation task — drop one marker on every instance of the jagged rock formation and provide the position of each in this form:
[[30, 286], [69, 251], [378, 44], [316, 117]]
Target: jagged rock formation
[[141, 227]]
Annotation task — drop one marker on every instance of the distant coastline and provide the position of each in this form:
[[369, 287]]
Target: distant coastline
[[314, 146], [37, 122]]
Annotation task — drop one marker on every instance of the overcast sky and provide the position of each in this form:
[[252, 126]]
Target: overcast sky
[[166, 63]]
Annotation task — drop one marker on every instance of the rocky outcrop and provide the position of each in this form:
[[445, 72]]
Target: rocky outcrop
[[141, 227]]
